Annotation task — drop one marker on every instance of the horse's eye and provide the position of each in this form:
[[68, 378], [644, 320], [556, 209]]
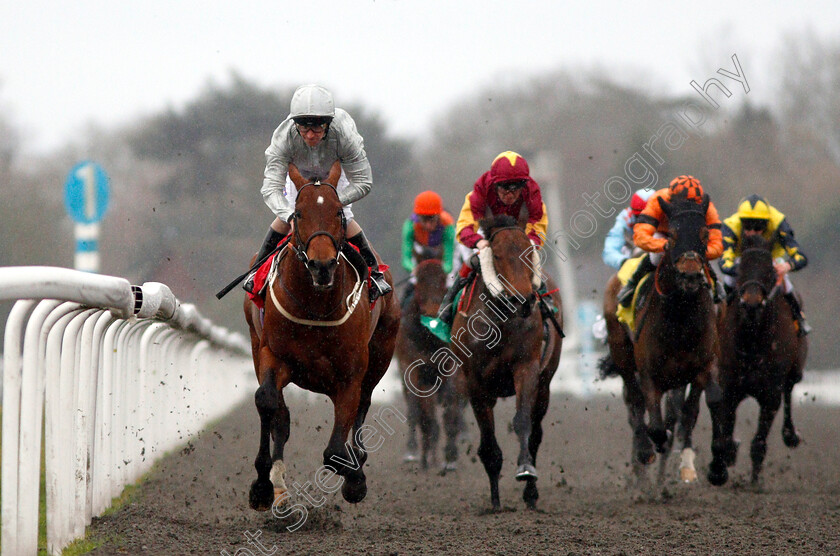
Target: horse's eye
[[297, 214]]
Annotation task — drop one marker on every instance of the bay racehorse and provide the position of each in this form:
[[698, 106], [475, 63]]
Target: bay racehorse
[[761, 355], [499, 332], [673, 346], [320, 333], [424, 388]]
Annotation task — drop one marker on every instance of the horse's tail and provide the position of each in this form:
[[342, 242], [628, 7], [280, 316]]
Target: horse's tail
[[607, 367]]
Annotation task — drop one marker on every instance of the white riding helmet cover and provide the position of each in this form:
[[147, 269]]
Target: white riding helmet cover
[[312, 101]]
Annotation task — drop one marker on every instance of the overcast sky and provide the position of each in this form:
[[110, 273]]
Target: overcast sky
[[65, 64]]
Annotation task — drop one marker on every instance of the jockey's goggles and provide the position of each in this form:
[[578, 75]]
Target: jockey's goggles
[[309, 125], [753, 224], [511, 185]]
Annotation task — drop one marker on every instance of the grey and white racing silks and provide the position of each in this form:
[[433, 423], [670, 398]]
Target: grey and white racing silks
[[343, 142]]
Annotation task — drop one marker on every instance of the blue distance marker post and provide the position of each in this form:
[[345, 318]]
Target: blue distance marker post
[[86, 196]]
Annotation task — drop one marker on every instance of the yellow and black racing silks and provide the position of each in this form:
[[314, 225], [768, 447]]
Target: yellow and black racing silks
[[778, 232]]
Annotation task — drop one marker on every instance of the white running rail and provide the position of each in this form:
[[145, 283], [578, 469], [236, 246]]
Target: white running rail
[[119, 373]]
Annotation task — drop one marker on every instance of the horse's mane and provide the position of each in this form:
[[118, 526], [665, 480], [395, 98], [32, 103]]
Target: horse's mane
[[492, 223]]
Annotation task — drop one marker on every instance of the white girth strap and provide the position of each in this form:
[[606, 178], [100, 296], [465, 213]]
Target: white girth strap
[[488, 271], [351, 301]]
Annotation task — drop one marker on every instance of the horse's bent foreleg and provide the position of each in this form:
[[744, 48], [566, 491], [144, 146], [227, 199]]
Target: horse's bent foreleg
[[488, 449]]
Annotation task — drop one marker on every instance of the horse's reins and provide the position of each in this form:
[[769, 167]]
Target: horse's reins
[[768, 296], [496, 289], [351, 301]]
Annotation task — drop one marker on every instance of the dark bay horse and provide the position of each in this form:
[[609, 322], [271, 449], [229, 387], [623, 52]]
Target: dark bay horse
[[424, 388], [674, 344], [761, 355], [321, 334], [499, 334]]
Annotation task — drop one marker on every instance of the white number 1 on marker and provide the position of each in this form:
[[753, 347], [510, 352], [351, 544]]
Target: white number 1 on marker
[[86, 174]]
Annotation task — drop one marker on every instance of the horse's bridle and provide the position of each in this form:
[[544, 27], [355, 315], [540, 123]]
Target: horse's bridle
[[769, 295], [300, 247]]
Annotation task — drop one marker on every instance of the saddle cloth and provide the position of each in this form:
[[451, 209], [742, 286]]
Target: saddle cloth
[[627, 315]]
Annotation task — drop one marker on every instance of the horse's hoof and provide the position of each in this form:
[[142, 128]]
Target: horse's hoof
[[410, 457], [791, 438], [261, 496], [730, 454], [525, 472], [354, 491], [530, 495], [660, 439], [450, 466], [718, 474], [687, 472], [688, 475]]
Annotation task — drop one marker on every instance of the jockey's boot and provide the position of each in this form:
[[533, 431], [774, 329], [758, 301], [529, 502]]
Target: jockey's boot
[[625, 295], [804, 327], [719, 293], [269, 243], [446, 313], [729, 292], [380, 285], [547, 308]]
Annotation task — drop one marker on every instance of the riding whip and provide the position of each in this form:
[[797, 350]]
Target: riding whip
[[224, 291]]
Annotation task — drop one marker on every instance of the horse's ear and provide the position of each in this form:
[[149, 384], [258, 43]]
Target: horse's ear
[[705, 203], [296, 177], [335, 173], [665, 206]]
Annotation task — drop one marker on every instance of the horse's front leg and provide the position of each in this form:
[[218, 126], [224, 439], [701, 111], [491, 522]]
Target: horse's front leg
[[656, 426], [488, 449], [687, 422], [634, 399], [430, 430], [531, 494], [412, 404], [280, 435], [525, 381], [453, 423], [267, 400], [724, 446], [758, 448], [340, 453], [789, 434]]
